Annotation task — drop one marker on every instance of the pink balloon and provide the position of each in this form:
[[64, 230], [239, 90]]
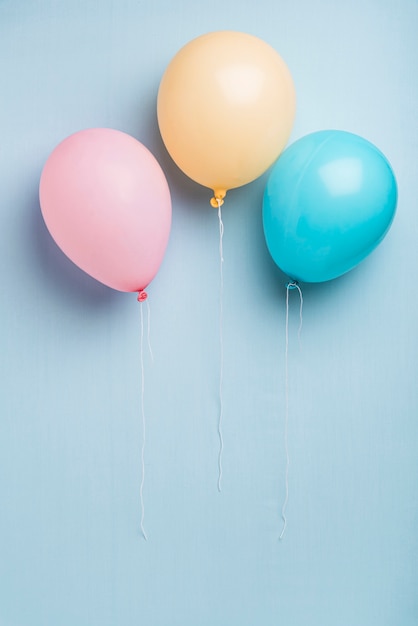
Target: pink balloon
[[106, 202]]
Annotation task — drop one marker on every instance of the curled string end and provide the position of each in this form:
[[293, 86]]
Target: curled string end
[[142, 295], [284, 527]]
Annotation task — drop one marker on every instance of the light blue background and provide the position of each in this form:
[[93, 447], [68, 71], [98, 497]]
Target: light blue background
[[70, 431]]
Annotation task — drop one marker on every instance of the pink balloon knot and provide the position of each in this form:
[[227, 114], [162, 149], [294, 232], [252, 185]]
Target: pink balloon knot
[[142, 295]]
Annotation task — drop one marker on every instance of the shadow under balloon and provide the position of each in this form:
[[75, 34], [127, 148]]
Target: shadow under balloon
[[187, 195], [56, 270], [320, 295]]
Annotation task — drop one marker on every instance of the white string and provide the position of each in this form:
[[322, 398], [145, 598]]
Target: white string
[[141, 489], [296, 286], [221, 345], [286, 423], [290, 285], [149, 329]]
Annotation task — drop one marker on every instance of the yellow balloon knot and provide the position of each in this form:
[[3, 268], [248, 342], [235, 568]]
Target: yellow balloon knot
[[218, 198]]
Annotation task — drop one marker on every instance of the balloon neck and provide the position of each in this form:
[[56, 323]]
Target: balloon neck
[[218, 198], [142, 295], [292, 284]]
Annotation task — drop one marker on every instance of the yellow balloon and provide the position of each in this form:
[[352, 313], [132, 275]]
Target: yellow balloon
[[226, 106]]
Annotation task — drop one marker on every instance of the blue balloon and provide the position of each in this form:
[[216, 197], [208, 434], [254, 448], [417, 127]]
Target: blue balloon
[[329, 201]]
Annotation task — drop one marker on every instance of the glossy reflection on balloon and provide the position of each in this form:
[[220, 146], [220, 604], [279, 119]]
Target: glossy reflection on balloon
[[329, 201]]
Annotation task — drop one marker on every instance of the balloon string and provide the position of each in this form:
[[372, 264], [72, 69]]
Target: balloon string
[[296, 286], [290, 285], [149, 329], [221, 344], [141, 489]]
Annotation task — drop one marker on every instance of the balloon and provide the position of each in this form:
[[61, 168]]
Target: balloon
[[106, 202], [329, 201], [226, 105]]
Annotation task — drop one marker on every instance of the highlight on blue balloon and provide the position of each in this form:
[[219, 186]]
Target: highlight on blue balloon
[[329, 201]]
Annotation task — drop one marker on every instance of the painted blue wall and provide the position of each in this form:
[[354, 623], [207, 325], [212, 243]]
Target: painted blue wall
[[70, 428]]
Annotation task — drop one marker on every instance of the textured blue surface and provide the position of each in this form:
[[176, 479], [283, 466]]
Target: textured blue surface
[[70, 427]]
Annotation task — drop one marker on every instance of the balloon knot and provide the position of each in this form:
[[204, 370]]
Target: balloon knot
[[216, 202], [292, 284], [142, 295], [218, 198]]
